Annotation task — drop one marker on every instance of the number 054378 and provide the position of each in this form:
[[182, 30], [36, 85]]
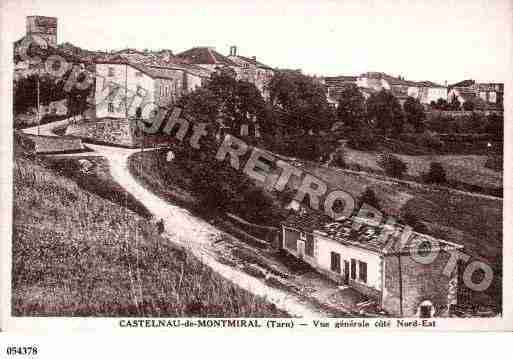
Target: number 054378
[[18, 350]]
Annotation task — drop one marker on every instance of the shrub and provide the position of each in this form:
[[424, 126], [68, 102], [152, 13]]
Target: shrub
[[436, 173], [392, 165], [369, 197], [468, 106], [339, 158], [430, 140], [414, 222], [494, 163]]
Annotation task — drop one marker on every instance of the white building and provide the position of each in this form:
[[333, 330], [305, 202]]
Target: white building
[[123, 85], [377, 261]]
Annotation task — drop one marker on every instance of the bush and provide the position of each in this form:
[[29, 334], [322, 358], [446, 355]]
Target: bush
[[430, 140], [468, 106], [494, 163], [412, 221], [436, 173], [339, 158], [392, 165], [368, 197]]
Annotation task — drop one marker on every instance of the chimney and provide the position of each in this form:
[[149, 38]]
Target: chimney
[[233, 50], [253, 58]]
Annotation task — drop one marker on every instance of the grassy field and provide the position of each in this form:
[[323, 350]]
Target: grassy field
[[76, 253], [469, 169]]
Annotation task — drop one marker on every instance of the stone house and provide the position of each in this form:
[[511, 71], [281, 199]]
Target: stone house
[[207, 58], [427, 91], [245, 68], [253, 71], [123, 84], [121, 80], [368, 258], [485, 96]]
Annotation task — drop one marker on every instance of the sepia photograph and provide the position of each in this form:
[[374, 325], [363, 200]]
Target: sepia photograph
[[232, 164]]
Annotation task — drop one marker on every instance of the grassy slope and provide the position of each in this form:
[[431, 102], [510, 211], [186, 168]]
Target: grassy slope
[[462, 168], [474, 222], [77, 254]]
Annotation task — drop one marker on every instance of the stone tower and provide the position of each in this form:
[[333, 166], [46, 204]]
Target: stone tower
[[44, 27]]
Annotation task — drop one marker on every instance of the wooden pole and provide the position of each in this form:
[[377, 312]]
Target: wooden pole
[[38, 106]]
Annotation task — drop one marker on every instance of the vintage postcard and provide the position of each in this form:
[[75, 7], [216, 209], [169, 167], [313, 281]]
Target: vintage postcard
[[309, 165]]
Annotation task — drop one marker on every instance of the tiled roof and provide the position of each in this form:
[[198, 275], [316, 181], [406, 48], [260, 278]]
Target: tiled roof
[[464, 83], [148, 64], [428, 84], [340, 79], [390, 79], [467, 93], [205, 56], [252, 61], [360, 233]]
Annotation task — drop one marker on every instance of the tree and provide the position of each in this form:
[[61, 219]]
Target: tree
[[339, 158], [414, 112], [392, 165], [455, 104], [368, 197], [436, 173], [351, 107], [441, 104], [225, 102], [301, 102], [468, 106], [385, 111], [495, 126]]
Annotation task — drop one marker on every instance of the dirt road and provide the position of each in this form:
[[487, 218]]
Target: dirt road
[[197, 235]]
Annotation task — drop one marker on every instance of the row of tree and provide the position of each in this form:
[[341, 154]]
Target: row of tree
[[381, 111], [297, 104], [454, 105]]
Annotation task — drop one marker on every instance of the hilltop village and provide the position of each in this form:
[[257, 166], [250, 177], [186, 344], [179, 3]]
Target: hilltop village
[[416, 151]]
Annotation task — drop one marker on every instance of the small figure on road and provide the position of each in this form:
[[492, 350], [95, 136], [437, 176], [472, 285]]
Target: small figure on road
[[160, 226]]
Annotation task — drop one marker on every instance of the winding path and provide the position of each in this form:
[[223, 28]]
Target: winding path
[[186, 230], [196, 235]]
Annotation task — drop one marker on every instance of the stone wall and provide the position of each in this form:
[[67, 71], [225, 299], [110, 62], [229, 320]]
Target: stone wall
[[420, 282], [115, 131], [51, 144]]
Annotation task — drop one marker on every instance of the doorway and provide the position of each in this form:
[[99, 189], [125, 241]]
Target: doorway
[[426, 309], [301, 249], [346, 272]]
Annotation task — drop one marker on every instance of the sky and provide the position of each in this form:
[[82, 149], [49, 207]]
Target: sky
[[437, 40]]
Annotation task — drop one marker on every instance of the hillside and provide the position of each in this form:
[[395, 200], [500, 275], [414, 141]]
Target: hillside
[[78, 254], [474, 222]]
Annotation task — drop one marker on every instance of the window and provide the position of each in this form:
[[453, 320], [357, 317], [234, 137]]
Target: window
[[111, 71], [309, 245], [110, 107], [353, 269], [362, 271], [335, 262]]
